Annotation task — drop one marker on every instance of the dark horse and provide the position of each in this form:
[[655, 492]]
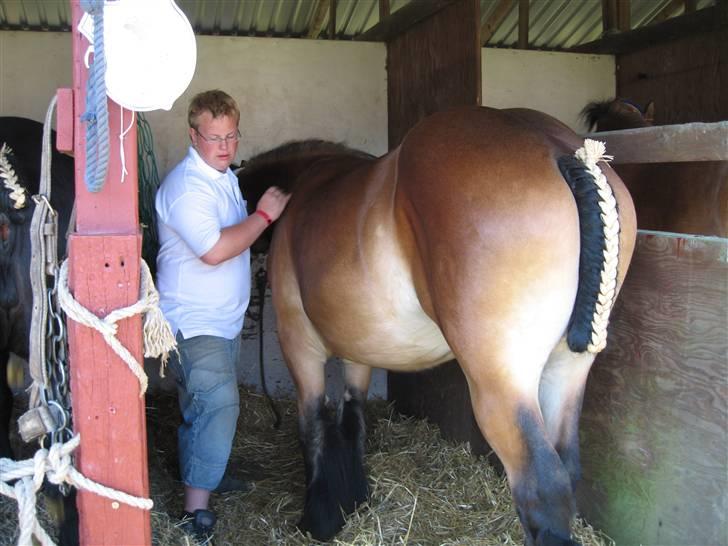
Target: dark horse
[[463, 242], [24, 138], [686, 197]]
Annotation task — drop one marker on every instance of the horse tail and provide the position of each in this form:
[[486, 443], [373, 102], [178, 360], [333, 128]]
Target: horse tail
[[599, 236]]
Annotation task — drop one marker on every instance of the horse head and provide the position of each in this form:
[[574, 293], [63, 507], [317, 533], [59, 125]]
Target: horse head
[[615, 114]]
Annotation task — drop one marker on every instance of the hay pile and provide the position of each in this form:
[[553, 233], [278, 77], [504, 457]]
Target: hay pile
[[424, 490]]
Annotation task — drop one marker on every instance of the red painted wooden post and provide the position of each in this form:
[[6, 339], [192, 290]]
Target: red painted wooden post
[[104, 275]]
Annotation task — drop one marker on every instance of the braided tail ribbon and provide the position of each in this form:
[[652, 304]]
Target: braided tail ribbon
[[96, 115], [590, 154]]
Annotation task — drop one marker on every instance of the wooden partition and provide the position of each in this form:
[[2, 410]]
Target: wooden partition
[[653, 429]]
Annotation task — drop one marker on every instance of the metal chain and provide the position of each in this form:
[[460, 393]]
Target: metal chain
[[57, 395]]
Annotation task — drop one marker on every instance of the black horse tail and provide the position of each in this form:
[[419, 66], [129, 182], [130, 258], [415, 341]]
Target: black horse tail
[[598, 259]]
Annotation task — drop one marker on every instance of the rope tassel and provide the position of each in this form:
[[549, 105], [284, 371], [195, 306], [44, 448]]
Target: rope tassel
[[158, 338]]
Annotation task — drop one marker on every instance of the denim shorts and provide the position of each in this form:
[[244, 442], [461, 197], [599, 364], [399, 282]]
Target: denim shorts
[[209, 402]]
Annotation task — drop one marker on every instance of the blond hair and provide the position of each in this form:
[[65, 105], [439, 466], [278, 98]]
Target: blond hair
[[217, 102]]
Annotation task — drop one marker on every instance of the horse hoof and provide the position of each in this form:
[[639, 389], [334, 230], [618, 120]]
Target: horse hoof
[[546, 537]]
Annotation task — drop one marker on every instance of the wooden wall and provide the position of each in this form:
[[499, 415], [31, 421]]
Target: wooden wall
[[653, 428], [433, 66], [686, 78]]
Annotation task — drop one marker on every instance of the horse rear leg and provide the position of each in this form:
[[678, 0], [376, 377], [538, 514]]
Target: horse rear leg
[[561, 393], [507, 411]]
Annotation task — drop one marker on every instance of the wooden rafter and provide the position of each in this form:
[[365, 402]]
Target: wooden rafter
[[402, 19], [704, 20], [490, 25], [332, 20], [523, 23], [317, 21]]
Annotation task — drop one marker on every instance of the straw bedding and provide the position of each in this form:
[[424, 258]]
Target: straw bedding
[[424, 490]]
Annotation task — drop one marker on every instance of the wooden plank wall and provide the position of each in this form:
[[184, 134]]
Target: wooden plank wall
[[686, 78], [653, 428], [433, 66]]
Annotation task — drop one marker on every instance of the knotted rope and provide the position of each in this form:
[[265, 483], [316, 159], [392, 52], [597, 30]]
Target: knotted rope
[[10, 179], [590, 154], [96, 114], [55, 465], [158, 338]]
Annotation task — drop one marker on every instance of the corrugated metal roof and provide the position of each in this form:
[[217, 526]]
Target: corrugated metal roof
[[554, 24]]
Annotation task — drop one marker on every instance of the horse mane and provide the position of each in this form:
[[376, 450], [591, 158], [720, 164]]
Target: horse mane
[[297, 151], [594, 111], [282, 166]]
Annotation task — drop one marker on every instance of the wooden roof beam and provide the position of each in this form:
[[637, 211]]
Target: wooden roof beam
[[317, 21], [492, 23], [704, 20], [399, 21]]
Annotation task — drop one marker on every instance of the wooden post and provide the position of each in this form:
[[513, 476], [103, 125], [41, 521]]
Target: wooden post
[[104, 275], [523, 23]]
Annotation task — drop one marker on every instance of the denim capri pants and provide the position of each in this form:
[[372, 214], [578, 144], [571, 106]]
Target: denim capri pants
[[209, 402]]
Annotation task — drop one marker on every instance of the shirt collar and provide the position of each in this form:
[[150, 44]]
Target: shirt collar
[[214, 174]]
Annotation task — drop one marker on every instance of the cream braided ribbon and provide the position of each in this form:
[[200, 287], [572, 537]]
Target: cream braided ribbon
[[158, 338], [10, 179], [590, 154], [55, 464]]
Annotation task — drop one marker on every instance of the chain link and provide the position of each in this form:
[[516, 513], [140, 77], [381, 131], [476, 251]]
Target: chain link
[[57, 395]]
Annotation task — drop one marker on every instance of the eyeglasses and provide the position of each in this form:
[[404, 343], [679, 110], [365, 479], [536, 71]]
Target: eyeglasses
[[217, 140]]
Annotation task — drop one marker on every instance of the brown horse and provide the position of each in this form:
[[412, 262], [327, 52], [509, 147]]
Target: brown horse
[[464, 242], [685, 197]]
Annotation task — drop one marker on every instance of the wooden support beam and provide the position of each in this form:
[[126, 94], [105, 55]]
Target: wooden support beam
[[624, 16], [402, 19], [667, 143], [704, 20], [317, 21], [332, 20], [668, 11], [523, 23], [383, 9], [493, 22], [104, 258], [609, 16]]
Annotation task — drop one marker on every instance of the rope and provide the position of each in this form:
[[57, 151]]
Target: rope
[[158, 338], [96, 114], [592, 152], [7, 173], [55, 465], [148, 183]]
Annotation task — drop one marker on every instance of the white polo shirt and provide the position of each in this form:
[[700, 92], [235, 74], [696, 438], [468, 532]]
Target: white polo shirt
[[194, 203]]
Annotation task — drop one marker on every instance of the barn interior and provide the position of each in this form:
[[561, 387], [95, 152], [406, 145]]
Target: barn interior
[[362, 72]]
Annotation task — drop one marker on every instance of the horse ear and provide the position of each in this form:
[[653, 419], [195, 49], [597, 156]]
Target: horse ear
[[649, 114]]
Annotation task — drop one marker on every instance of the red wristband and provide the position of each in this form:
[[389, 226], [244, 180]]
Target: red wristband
[[265, 216]]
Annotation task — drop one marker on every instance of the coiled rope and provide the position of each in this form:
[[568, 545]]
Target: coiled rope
[[158, 338], [55, 465], [96, 115]]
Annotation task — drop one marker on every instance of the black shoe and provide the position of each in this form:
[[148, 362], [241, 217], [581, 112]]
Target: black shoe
[[228, 484], [199, 524]]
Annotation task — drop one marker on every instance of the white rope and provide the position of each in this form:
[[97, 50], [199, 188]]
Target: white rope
[[10, 179], [158, 338], [55, 465], [593, 152]]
